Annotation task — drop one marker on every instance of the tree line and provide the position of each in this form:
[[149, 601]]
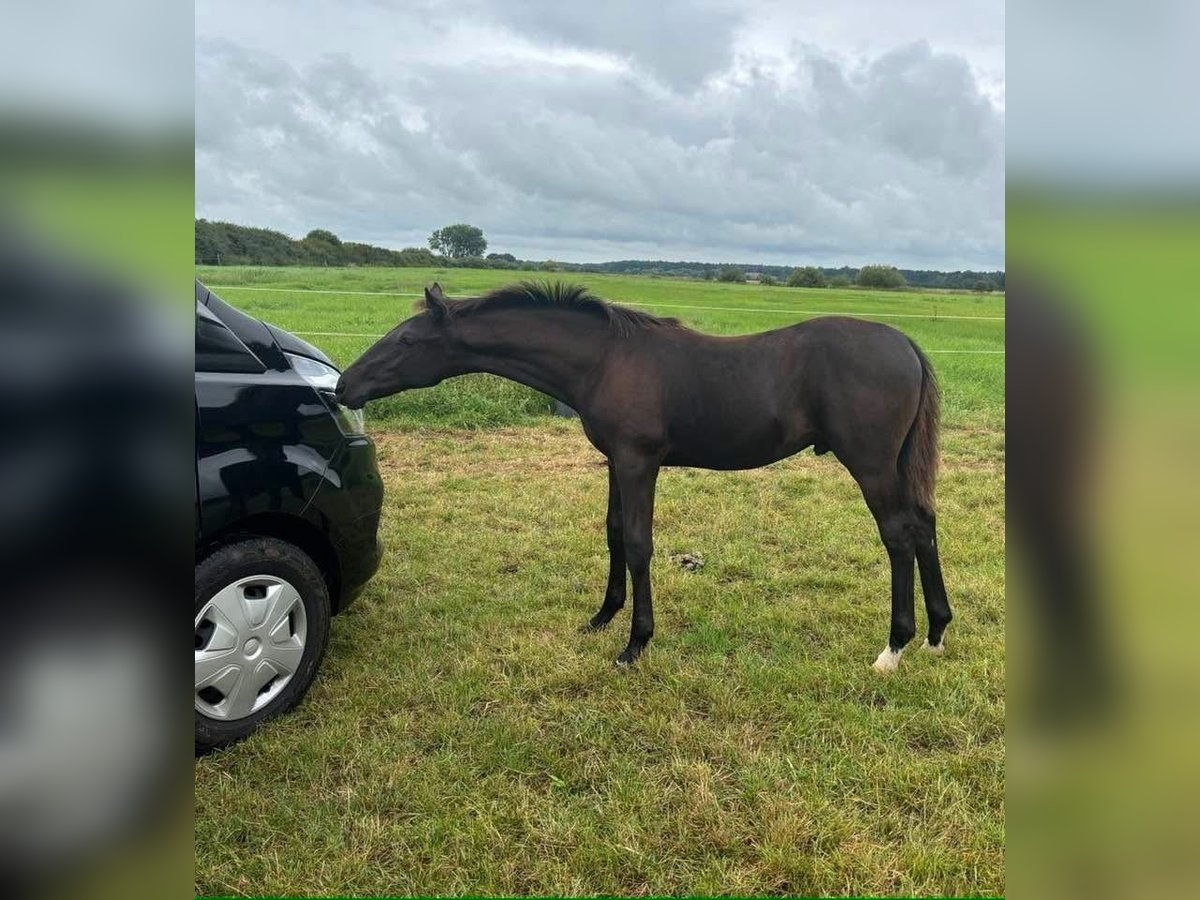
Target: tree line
[[464, 246], [226, 244], [875, 276]]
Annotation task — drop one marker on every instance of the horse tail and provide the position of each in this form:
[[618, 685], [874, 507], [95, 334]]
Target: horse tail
[[918, 462]]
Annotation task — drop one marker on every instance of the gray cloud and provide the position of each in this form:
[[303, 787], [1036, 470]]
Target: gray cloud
[[681, 42], [574, 139]]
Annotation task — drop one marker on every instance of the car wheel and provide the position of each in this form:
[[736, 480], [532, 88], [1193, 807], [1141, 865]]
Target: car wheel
[[262, 623]]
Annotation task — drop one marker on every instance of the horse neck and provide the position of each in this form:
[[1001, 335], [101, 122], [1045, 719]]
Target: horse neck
[[551, 350]]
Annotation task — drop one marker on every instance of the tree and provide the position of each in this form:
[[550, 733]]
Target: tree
[[877, 276], [807, 276], [549, 266], [981, 286], [321, 247], [839, 281], [768, 280], [506, 257], [320, 235], [730, 274], [458, 240]]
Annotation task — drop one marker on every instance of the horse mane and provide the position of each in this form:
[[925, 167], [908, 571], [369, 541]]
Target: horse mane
[[561, 295]]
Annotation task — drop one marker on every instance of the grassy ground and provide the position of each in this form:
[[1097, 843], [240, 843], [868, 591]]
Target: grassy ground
[[464, 738], [355, 304]]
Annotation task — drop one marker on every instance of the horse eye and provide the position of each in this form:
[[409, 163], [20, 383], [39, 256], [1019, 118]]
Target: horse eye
[[405, 339]]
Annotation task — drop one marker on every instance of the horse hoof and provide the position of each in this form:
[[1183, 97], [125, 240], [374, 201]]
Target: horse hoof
[[591, 627], [936, 649], [887, 662], [627, 658]]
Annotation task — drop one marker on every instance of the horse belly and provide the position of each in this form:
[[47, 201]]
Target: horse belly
[[735, 442]]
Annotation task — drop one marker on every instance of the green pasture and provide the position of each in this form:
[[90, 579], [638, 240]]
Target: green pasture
[[464, 738], [341, 309]]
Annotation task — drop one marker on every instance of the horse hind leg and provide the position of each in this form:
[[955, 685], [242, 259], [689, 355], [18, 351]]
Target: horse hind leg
[[933, 587], [893, 515]]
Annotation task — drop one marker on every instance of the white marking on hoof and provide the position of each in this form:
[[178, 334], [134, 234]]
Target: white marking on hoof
[[936, 649], [887, 661]]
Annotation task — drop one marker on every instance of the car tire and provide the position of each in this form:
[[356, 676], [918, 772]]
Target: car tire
[[262, 625]]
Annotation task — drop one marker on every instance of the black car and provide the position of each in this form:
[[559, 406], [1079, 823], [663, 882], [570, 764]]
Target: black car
[[287, 513]]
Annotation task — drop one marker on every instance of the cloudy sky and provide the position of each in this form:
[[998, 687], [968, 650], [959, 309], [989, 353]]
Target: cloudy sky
[[785, 132]]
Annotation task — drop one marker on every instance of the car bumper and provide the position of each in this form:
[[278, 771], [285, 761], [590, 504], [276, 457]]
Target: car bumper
[[359, 560], [354, 506]]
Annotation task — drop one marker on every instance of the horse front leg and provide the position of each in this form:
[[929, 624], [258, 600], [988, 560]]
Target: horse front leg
[[614, 594], [636, 480]]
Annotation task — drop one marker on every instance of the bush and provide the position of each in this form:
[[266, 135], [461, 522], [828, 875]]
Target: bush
[[887, 277], [416, 256], [731, 274], [807, 276], [839, 281], [549, 266], [768, 280]]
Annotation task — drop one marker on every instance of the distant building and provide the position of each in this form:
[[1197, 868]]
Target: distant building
[[753, 277]]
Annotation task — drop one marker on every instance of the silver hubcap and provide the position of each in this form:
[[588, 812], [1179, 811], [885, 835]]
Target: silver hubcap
[[249, 642]]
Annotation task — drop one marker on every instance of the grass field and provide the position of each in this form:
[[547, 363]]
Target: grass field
[[358, 302], [464, 738]]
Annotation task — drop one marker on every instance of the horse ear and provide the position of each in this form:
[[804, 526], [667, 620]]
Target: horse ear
[[435, 301]]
